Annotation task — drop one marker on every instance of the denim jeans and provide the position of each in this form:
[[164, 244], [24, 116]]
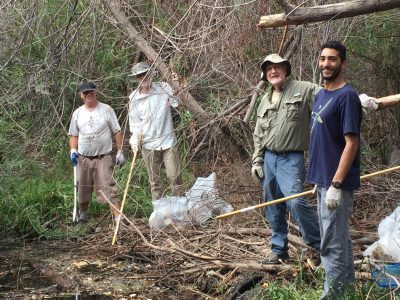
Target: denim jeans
[[336, 246], [284, 175]]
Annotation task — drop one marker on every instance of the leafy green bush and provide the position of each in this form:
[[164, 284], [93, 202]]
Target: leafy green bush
[[37, 200]]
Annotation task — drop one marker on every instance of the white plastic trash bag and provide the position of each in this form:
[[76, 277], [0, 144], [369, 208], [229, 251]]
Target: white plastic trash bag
[[200, 204], [387, 248]]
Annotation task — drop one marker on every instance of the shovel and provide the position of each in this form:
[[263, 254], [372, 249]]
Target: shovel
[[75, 211]]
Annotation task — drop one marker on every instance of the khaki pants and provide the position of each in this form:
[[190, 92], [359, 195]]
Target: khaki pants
[[153, 160], [96, 173]]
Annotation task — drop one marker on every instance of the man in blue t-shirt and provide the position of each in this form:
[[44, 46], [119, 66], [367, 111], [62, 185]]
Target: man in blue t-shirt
[[334, 166]]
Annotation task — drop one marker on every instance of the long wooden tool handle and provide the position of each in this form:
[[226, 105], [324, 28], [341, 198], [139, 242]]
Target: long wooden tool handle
[[303, 194], [277, 201], [380, 172], [123, 199]]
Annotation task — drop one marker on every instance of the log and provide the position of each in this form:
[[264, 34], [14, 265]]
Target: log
[[304, 15], [388, 101]]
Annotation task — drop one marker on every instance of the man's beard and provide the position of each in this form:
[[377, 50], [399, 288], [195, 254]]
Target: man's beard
[[335, 74]]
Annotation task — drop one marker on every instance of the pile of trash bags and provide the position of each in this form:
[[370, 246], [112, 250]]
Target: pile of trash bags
[[384, 254], [200, 205], [387, 248]]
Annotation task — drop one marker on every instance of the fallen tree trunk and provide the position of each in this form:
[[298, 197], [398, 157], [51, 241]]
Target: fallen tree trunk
[[304, 15], [388, 101]]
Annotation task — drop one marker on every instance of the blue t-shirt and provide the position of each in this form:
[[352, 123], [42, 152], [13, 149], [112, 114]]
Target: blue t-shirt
[[334, 114]]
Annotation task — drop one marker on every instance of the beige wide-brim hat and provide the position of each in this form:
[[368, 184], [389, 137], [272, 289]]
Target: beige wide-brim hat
[[139, 68], [274, 59]]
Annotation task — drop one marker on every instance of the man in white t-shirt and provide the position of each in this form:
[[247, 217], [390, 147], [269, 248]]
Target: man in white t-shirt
[[152, 129], [93, 125]]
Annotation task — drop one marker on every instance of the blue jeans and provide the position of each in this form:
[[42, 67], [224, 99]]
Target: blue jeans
[[284, 175], [336, 246]]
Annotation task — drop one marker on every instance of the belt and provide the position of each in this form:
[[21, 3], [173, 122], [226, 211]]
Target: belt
[[284, 152], [95, 156]]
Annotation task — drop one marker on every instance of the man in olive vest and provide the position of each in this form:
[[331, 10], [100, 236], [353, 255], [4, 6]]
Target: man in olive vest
[[281, 136]]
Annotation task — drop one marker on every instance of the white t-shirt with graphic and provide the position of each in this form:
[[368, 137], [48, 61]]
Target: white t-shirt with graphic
[[94, 129]]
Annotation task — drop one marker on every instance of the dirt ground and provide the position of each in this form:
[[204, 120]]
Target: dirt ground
[[189, 263]]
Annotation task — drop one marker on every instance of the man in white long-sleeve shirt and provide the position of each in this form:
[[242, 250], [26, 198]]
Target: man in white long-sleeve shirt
[[152, 129]]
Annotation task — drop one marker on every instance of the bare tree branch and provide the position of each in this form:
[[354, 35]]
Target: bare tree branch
[[151, 54], [287, 7], [326, 12], [254, 96]]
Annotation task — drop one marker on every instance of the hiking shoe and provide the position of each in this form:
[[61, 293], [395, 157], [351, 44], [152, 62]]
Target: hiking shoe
[[275, 258], [82, 217], [316, 258]]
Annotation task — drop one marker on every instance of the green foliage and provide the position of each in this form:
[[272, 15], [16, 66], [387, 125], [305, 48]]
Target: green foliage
[[40, 201], [138, 200], [182, 132], [181, 65], [300, 290], [26, 204], [213, 103]]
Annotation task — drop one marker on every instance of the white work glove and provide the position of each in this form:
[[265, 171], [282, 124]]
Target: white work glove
[[257, 172], [136, 141], [135, 148], [368, 102], [333, 197], [120, 158]]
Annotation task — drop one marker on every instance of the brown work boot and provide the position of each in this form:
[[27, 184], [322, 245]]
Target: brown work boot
[[275, 258], [316, 258]]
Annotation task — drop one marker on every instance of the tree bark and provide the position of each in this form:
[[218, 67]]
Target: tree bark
[[304, 15], [260, 86]]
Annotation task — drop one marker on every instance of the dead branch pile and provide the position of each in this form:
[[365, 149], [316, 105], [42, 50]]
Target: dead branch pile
[[220, 261], [210, 261]]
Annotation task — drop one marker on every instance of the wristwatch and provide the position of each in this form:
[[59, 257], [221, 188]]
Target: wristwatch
[[336, 184]]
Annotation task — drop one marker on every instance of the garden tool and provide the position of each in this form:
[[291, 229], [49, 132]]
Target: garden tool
[[124, 197], [75, 211], [303, 194]]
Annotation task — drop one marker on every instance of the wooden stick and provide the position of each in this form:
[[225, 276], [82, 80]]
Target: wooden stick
[[303, 194], [123, 199]]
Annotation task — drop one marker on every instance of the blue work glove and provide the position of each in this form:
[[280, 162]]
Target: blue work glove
[[120, 158], [74, 157]]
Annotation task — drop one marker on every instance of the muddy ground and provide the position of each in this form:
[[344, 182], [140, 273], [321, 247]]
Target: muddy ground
[[62, 269], [190, 263]]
